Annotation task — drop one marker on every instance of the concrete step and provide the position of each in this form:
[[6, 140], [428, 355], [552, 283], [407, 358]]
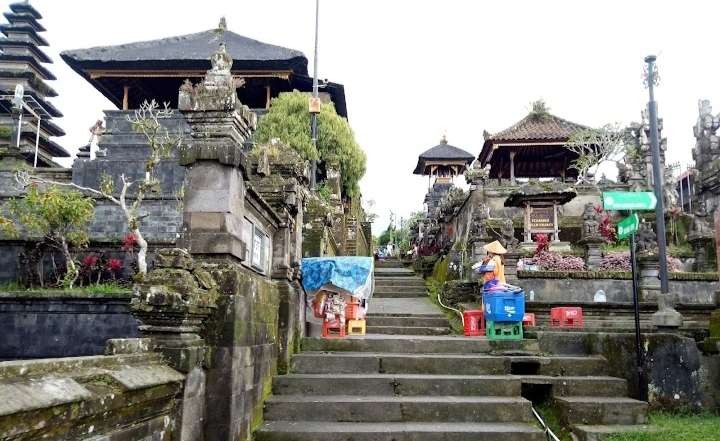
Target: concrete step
[[397, 384], [375, 409], [409, 330], [394, 272], [399, 281], [595, 386], [326, 431], [592, 410], [601, 432], [377, 320], [419, 344], [441, 364], [395, 294], [400, 288]]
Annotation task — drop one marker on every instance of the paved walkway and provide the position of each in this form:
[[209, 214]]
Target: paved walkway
[[404, 306]]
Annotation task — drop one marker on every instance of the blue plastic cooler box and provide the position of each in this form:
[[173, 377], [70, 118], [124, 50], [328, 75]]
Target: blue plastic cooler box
[[504, 306]]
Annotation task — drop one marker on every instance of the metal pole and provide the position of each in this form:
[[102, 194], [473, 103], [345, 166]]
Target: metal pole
[[313, 164], [19, 132], [37, 142], [657, 176], [639, 355]]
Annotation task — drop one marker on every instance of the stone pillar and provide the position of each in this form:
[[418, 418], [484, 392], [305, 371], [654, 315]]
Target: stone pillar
[[171, 303], [648, 277], [511, 260], [593, 252], [512, 168]]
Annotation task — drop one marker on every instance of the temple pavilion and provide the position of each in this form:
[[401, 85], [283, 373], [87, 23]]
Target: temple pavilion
[[441, 164], [22, 63], [128, 74], [531, 148]]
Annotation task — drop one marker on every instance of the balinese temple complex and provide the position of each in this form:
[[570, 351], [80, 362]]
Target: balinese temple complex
[[128, 74], [22, 63]]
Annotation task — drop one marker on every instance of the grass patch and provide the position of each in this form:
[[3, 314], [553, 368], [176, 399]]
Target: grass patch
[[433, 287], [676, 427], [552, 419], [109, 288]]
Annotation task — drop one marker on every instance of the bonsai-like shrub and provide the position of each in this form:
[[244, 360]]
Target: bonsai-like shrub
[[61, 217]]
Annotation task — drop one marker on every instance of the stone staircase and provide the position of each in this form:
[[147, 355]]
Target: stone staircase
[[408, 386], [400, 304], [398, 388]]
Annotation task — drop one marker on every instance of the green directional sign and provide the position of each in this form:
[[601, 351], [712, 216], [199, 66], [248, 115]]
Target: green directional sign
[[629, 200], [628, 226]]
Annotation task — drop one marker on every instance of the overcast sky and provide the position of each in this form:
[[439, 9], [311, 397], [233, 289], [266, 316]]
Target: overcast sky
[[414, 70]]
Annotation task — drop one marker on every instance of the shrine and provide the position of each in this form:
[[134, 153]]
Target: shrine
[[540, 202], [129, 73], [534, 147]]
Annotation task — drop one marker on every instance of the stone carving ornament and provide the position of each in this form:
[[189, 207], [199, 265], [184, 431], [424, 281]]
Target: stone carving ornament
[[707, 146], [701, 226], [591, 222], [507, 231], [646, 239]]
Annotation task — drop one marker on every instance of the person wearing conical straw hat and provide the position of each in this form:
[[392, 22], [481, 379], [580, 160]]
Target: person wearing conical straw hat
[[495, 251]]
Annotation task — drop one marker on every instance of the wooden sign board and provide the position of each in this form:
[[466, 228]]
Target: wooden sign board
[[542, 218]]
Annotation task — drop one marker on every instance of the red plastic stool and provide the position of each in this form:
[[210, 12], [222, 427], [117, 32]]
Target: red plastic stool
[[529, 319], [474, 321], [332, 329], [566, 317]]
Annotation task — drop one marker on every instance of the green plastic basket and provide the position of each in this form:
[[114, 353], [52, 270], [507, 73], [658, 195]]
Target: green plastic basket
[[504, 330]]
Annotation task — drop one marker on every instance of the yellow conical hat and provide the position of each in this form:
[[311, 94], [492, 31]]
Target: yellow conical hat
[[495, 248]]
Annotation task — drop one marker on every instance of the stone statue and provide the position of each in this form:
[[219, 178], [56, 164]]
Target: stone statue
[[591, 222], [507, 231], [670, 189], [701, 226], [221, 61], [646, 239], [217, 91], [707, 144], [478, 230]]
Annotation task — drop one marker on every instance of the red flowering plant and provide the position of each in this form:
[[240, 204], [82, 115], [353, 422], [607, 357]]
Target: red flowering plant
[[552, 261], [114, 266], [88, 266], [542, 242], [606, 226], [129, 242]]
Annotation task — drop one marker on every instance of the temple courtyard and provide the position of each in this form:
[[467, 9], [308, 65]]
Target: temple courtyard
[[209, 263]]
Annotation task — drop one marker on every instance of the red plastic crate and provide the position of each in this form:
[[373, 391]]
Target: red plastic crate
[[529, 319], [474, 321], [352, 310], [333, 329], [566, 317]]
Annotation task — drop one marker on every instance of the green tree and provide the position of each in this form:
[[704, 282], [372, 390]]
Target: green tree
[[61, 217], [147, 121], [289, 120]]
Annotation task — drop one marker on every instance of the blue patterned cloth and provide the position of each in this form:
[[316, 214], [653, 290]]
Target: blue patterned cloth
[[351, 274]]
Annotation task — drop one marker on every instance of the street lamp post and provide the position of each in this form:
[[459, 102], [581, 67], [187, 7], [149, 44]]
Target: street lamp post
[[315, 93], [666, 317], [657, 174]]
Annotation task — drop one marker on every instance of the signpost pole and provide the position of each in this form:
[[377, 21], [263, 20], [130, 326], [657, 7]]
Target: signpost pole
[[640, 357]]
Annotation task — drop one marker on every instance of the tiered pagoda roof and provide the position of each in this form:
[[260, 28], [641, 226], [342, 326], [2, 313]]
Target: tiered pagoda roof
[[157, 68], [21, 62], [443, 155], [536, 144]]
